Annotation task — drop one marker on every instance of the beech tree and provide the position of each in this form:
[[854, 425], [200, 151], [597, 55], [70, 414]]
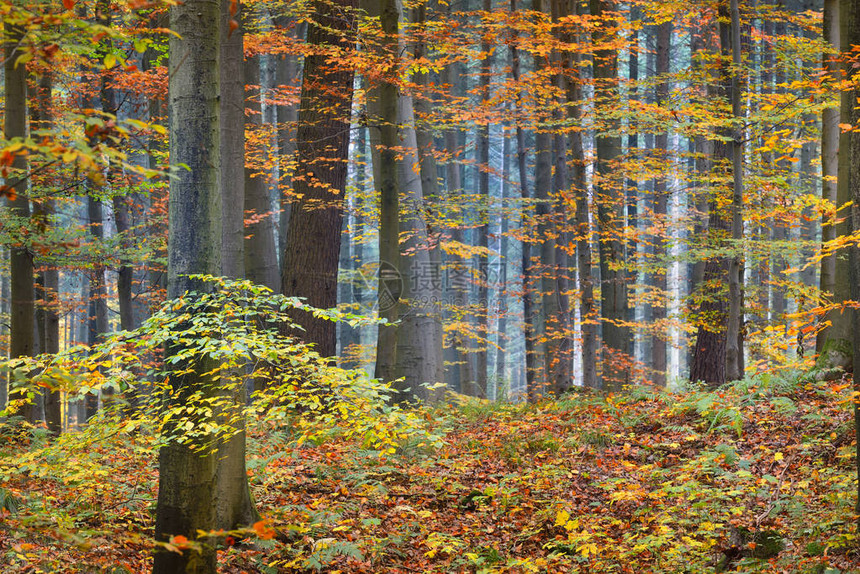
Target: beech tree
[[310, 261], [187, 489], [22, 308]]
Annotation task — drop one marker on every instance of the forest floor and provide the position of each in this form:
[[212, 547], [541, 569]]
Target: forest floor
[[757, 477]]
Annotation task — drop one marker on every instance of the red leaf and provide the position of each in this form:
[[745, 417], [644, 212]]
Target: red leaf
[[68, 4]]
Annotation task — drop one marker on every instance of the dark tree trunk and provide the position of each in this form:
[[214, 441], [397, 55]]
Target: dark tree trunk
[[610, 215], [734, 327], [710, 360], [22, 308], [97, 318], [382, 120], [658, 279], [483, 152], [313, 235], [850, 17], [48, 281]]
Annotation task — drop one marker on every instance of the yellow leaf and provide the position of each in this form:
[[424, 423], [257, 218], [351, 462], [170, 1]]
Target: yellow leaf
[[777, 457]]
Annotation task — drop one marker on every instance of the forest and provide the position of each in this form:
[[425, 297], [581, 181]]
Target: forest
[[430, 286]]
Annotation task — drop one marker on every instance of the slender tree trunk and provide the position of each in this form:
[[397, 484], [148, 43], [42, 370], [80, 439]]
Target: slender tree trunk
[[610, 215], [418, 358], [458, 295], [98, 311], [582, 235], [502, 326], [432, 285], [316, 218], [734, 333], [261, 261], [288, 72], [658, 279], [125, 273], [546, 283], [710, 362], [382, 119], [830, 145], [631, 191], [48, 281], [22, 308], [850, 18], [483, 152], [531, 367]]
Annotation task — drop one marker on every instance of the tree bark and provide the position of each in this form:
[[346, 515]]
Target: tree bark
[[463, 369], [382, 119], [234, 506], [261, 260], [610, 215], [432, 289], [833, 343], [531, 366], [587, 309], [482, 144], [850, 18], [22, 309], [48, 281], [187, 477], [288, 72], [734, 333], [658, 278], [316, 218], [97, 320]]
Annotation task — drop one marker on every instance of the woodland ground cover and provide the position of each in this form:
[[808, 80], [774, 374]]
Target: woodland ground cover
[[755, 477]]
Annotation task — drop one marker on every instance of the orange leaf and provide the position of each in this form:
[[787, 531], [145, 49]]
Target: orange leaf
[[68, 4], [179, 541], [263, 530]]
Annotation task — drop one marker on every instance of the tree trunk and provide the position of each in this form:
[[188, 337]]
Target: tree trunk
[[658, 278], [98, 311], [710, 362], [316, 218], [582, 236], [261, 260], [831, 142], [531, 366], [22, 309], [482, 144], [734, 332], [432, 288], [125, 273], [546, 284], [610, 215], [458, 285], [419, 359], [288, 71], [382, 120], [48, 281], [850, 19], [234, 507], [501, 386], [187, 477]]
